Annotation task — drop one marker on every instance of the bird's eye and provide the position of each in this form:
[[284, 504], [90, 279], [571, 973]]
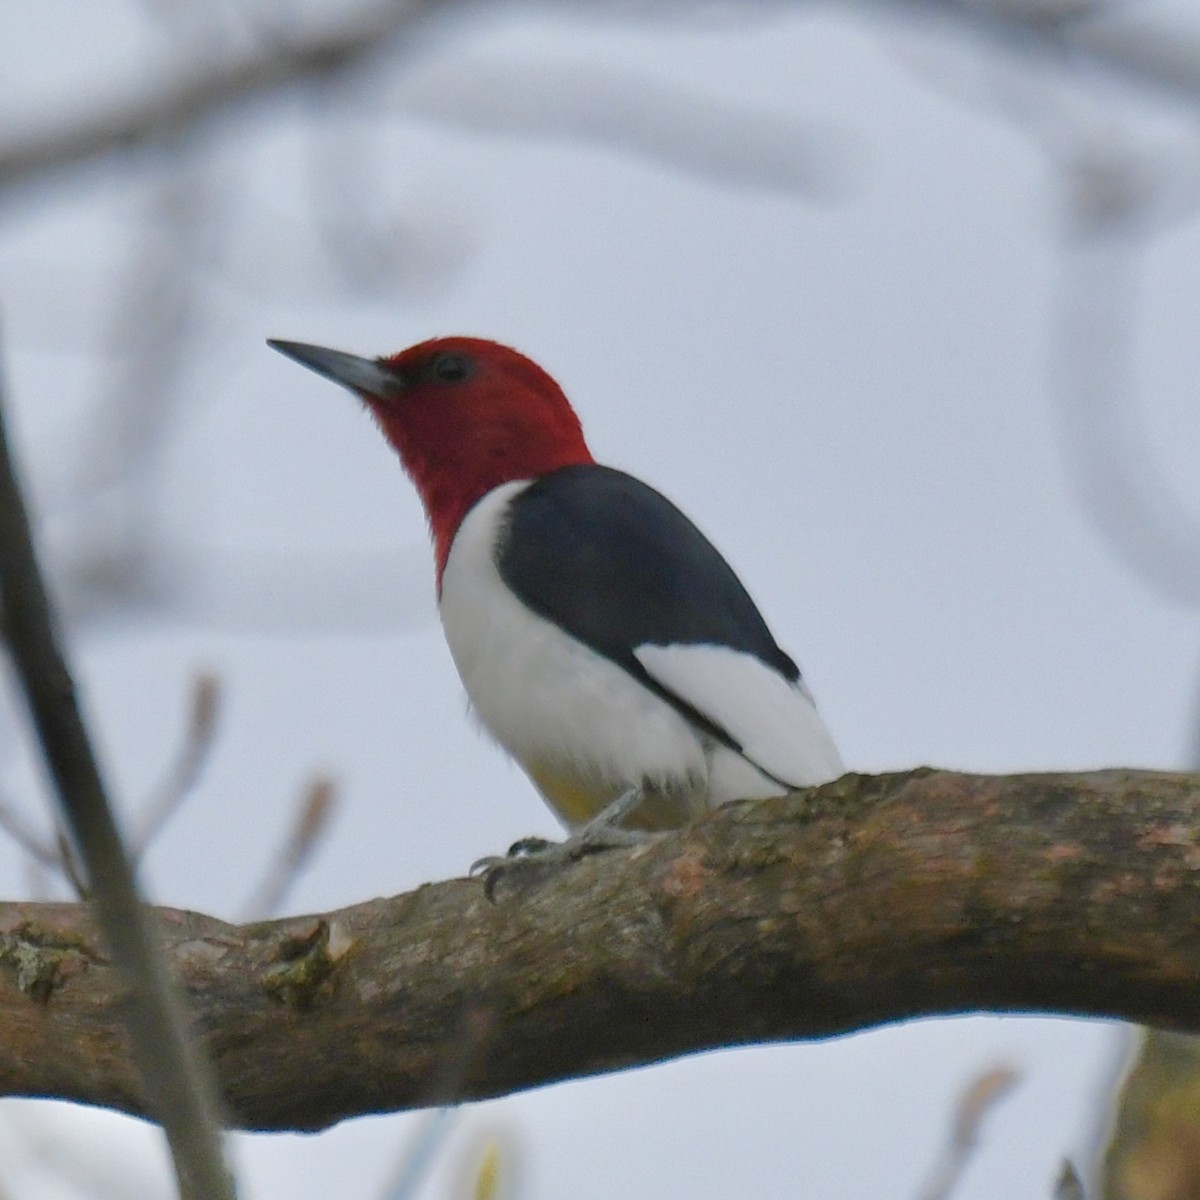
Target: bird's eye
[[451, 368]]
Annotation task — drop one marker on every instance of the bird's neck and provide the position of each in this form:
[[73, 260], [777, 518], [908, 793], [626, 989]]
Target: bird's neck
[[456, 455], [448, 495]]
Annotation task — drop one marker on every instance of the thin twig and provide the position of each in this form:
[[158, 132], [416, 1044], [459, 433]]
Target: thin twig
[[489, 1174], [312, 818], [68, 864], [420, 1153], [1155, 56], [185, 770], [980, 1097], [58, 858], [212, 90], [21, 832], [179, 1088], [477, 1031], [1068, 1185]]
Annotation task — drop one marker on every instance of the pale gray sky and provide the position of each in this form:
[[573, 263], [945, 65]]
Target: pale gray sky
[[851, 393]]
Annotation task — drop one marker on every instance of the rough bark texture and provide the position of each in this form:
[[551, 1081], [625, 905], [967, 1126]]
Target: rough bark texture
[[872, 899]]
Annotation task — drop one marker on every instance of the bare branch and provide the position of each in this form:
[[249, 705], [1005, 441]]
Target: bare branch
[[489, 1173], [1160, 57], [181, 778], [68, 864], [1145, 521], [114, 557], [628, 112], [1068, 1185], [419, 1155], [871, 899], [57, 858], [180, 1093], [15, 826], [980, 1097], [1156, 55], [177, 106], [311, 821]]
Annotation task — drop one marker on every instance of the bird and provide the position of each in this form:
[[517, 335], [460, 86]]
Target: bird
[[601, 638]]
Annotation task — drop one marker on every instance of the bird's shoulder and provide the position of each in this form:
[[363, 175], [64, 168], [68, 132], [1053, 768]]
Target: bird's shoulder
[[616, 564]]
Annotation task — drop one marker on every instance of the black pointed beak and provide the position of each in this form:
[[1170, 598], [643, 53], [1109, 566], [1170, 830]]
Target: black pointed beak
[[363, 375]]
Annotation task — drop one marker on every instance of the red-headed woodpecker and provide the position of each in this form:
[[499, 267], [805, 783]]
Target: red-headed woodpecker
[[601, 638]]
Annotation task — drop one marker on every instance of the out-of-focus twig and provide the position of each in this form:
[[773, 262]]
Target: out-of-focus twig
[[489, 1175], [181, 777], [477, 1030], [312, 818], [179, 1088], [1068, 1186], [18, 828], [418, 1156], [980, 1097], [69, 864], [160, 808], [1152, 1151], [214, 89], [1144, 521], [1120, 190], [42, 861], [116, 555], [631, 113], [1155, 55]]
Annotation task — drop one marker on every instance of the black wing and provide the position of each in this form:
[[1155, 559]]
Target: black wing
[[615, 564]]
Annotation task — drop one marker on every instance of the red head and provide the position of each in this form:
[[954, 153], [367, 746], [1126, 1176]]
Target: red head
[[464, 414]]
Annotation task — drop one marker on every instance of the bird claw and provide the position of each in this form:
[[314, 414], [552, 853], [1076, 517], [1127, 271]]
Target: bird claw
[[492, 865], [528, 846], [533, 859], [523, 869]]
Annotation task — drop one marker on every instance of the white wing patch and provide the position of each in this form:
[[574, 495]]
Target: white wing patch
[[775, 722]]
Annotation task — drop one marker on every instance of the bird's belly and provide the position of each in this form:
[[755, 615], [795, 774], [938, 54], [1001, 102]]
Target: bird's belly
[[581, 726]]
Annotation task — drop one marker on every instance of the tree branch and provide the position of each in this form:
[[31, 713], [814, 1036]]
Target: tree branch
[[1157, 56], [872, 899], [179, 1087], [213, 90]]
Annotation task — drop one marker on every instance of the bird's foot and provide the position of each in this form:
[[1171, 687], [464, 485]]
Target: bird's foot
[[533, 859]]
